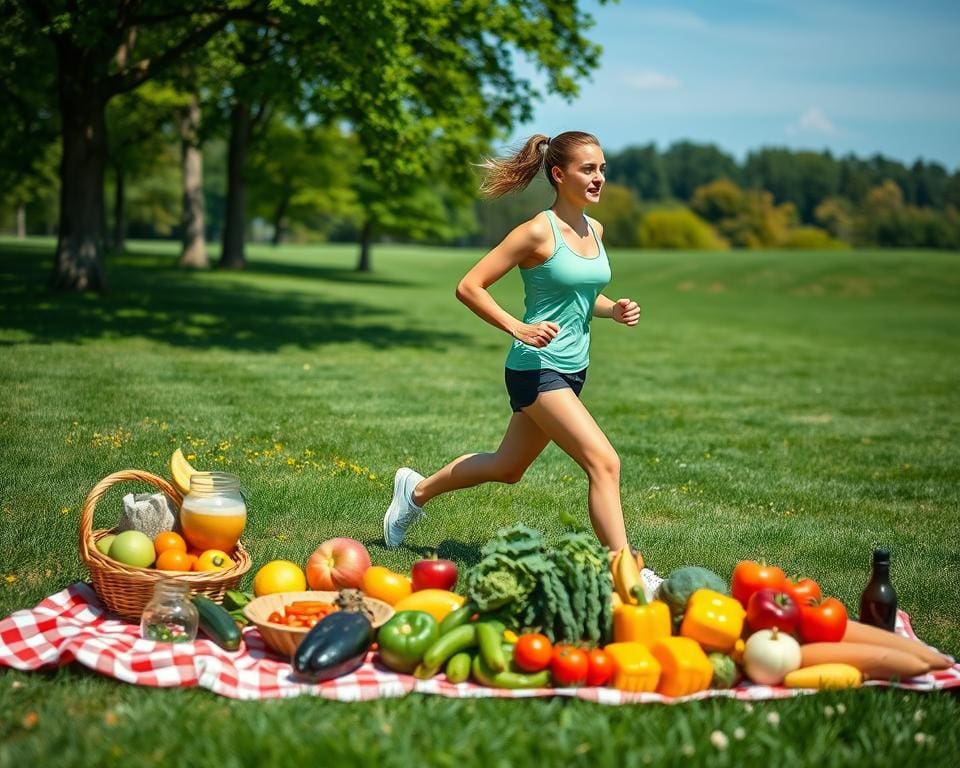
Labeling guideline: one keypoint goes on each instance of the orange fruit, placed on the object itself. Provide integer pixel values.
(194, 558)
(386, 585)
(279, 576)
(173, 560)
(169, 540)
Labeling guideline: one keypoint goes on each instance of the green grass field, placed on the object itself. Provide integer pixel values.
(797, 407)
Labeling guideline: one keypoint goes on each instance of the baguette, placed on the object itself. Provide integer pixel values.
(864, 633)
(877, 662)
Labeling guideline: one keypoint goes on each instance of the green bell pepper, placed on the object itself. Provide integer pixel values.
(405, 638)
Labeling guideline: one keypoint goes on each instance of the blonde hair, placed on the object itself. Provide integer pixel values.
(514, 173)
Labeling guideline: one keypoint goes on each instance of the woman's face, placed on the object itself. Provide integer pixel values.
(582, 179)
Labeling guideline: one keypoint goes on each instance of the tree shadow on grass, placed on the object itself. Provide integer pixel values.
(151, 299)
(326, 274)
(462, 553)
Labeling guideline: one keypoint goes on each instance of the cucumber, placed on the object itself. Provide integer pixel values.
(458, 667)
(489, 638)
(454, 641)
(217, 624)
(457, 618)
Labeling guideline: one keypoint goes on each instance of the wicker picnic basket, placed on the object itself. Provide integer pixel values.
(126, 589)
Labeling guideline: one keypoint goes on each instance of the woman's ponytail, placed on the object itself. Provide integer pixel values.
(511, 174)
(514, 173)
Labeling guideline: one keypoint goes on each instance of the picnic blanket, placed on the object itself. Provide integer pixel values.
(73, 625)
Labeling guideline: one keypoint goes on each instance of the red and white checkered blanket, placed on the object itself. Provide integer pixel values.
(73, 625)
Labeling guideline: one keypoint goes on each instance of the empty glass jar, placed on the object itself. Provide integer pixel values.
(170, 616)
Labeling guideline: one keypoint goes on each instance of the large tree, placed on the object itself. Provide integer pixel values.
(100, 50)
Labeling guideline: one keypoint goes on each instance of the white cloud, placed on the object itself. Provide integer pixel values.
(649, 80)
(813, 121)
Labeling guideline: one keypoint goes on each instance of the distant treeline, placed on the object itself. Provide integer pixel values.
(688, 196)
(698, 196)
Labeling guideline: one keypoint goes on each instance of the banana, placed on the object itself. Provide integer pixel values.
(180, 471)
(626, 578)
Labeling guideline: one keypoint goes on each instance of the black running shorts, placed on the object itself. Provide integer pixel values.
(524, 386)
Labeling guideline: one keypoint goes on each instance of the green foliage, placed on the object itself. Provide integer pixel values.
(640, 169)
(689, 165)
(810, 239)
(744, 218)
(677, 229)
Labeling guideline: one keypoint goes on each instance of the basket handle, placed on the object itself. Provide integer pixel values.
(86, 514)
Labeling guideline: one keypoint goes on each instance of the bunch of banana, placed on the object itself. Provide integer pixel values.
(625, 569)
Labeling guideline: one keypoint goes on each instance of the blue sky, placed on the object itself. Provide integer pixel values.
(850, 76)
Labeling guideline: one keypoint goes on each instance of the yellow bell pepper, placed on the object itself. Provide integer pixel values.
(637, 670)
(713, 619)
(684, 667)
(642, 623)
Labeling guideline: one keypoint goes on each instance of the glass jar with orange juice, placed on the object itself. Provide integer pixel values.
(213, 514)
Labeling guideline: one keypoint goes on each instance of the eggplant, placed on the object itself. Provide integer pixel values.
(335, 646)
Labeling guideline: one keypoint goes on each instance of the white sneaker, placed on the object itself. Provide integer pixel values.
(402, 512)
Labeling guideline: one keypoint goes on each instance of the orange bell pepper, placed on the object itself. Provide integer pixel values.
(646, 623)
(636, 669)
(713, 619)
(684, 667)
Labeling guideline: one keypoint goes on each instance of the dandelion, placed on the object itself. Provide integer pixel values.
(306, 366)
(10, 578)
(828, 711)
(748, 707)
(688, 750)
(32, 718)
(65, 511)
(919, 715)
(773, 718)
(110, 718)
(719, 740)
(841, 709)
(739, 733)
(920, 737)
(191, 457)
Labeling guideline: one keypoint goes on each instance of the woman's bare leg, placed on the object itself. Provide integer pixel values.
(564, 419)
(521, 444)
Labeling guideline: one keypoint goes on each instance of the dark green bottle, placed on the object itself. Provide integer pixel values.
(878, 603)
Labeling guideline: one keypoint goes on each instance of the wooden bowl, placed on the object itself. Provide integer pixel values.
(284, 640)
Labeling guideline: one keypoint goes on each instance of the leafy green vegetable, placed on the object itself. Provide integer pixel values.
(563, 592)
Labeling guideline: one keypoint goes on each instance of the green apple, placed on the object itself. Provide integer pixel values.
(103, 543)
(133, 548)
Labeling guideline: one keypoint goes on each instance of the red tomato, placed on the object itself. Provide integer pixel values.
(532, 652)
(601, 667)
(823, 621)
(748, 577)
(569, 665)
(802, 591)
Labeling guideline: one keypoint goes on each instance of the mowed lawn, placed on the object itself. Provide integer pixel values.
(794, 406)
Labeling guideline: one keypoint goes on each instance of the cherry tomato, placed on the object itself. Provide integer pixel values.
(802, 591)
(823, 622)
(601, 667)
(569, 665)
(532, 652)
(748, 577)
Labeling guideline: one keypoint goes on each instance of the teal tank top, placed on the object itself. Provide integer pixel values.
(563, 290)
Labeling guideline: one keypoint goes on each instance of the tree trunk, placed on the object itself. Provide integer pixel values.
(366, 236)
(235, 221)
(194, 251)
(278, 215)
(119, 209)
(21, 221)
(78, 264)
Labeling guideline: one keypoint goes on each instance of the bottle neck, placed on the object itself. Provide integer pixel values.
(171, 589)
(881, 571)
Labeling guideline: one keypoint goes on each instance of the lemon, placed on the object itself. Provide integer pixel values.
(279, 576)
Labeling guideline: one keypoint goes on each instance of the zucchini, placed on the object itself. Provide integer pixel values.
(335, 646)
(217, 624)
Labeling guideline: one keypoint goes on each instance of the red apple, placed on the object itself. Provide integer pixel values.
(434, 574)
(769, 608)
(338, 564)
